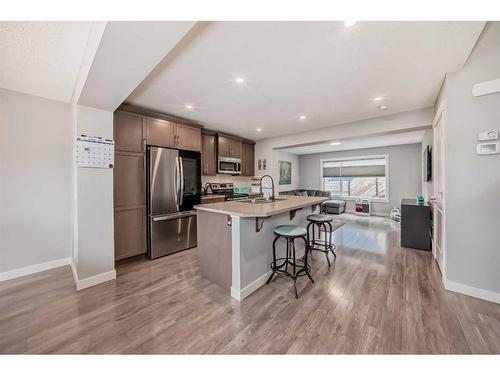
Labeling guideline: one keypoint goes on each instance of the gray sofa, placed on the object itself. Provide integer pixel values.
(307, 193)
(332, 206)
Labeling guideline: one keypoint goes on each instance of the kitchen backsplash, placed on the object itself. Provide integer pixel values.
(236, 180)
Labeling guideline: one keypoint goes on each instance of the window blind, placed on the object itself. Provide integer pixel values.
(355, 168)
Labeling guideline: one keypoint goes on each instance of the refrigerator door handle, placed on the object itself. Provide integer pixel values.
(174, 216)
(176, 182)
(181, 189)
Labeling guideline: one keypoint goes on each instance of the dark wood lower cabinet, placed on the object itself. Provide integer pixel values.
(130, 232)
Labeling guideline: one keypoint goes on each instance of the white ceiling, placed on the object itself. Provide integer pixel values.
(321, 69)
(359, 143)
(42, 58)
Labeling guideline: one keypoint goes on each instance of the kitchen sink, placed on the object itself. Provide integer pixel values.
(262, 200)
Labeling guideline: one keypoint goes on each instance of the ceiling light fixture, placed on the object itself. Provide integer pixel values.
(188, 106)
(382, 107)
(302, 117)
(377, 99)
(259, 129)
(349, 23)
(239, 80)
(335, 143)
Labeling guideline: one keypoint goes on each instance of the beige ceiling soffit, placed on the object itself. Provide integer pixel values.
(196, 30)
(173, 53)
(475, 44)
(127, 53)
(344, 139)
(95, 34)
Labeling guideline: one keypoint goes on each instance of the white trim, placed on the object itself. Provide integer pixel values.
(24, 271)
(250, 288)
(94, 280)
(240, 295)
(73, 271)
(361, 157)
(471, 291)
(235, 254)
(440, 114)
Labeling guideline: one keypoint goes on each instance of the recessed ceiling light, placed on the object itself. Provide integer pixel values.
(188, 106)
(335, 143)
(239, 80)
(382, 107)
(302, 117)
(259, 129)
(377, 99)
(349, 23)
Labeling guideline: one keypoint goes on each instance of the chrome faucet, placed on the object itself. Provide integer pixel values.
(272, 185)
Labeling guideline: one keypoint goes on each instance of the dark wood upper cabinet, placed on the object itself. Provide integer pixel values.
(188, 137)
(209, 155)
(129, 131)
(165, 133)
(247, 159)
(228, 147)
(160, 132)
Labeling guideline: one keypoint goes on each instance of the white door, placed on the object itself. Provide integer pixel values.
(438, 200)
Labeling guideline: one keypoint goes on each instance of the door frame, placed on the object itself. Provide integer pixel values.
(440, 115)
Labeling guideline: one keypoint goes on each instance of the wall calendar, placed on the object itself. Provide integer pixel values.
(94, 152)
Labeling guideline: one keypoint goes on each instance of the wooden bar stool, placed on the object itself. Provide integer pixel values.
(321, 221)
(299, 266)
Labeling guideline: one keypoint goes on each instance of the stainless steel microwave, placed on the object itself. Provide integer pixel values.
(228, 165)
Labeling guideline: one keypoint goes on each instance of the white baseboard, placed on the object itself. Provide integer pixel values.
(93, 280)
(25, 271)
(471, 291)
(80, 284)
(240, 295)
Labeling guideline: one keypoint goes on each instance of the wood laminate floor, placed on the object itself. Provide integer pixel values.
(376, 298)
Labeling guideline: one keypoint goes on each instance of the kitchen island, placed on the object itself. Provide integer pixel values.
(235, 239)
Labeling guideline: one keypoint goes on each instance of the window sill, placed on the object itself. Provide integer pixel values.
(350, 199)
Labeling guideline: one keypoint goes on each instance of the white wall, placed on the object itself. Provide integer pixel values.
(35, 160)
(405, 166)
(95, 241)
(294, 159)
(473, 181)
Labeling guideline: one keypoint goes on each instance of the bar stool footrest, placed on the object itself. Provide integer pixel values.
(281, 269)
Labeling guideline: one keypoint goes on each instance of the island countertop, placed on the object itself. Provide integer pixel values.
(285, 203)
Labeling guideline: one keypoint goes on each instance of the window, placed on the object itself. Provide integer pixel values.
(364, 177)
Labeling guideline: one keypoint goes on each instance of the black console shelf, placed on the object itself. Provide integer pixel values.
(416, 223)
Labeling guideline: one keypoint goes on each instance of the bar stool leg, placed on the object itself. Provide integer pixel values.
(330, 239)
(309, 237)
(326, 244)
(287, 254)
(294, 271)
(306, 265)
(313, 235)
(274, 260)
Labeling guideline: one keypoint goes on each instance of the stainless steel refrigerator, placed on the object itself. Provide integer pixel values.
(173, 188)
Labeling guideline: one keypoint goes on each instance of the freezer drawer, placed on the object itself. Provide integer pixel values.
(169, 235)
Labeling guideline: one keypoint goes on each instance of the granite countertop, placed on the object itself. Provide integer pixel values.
(245, 209)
